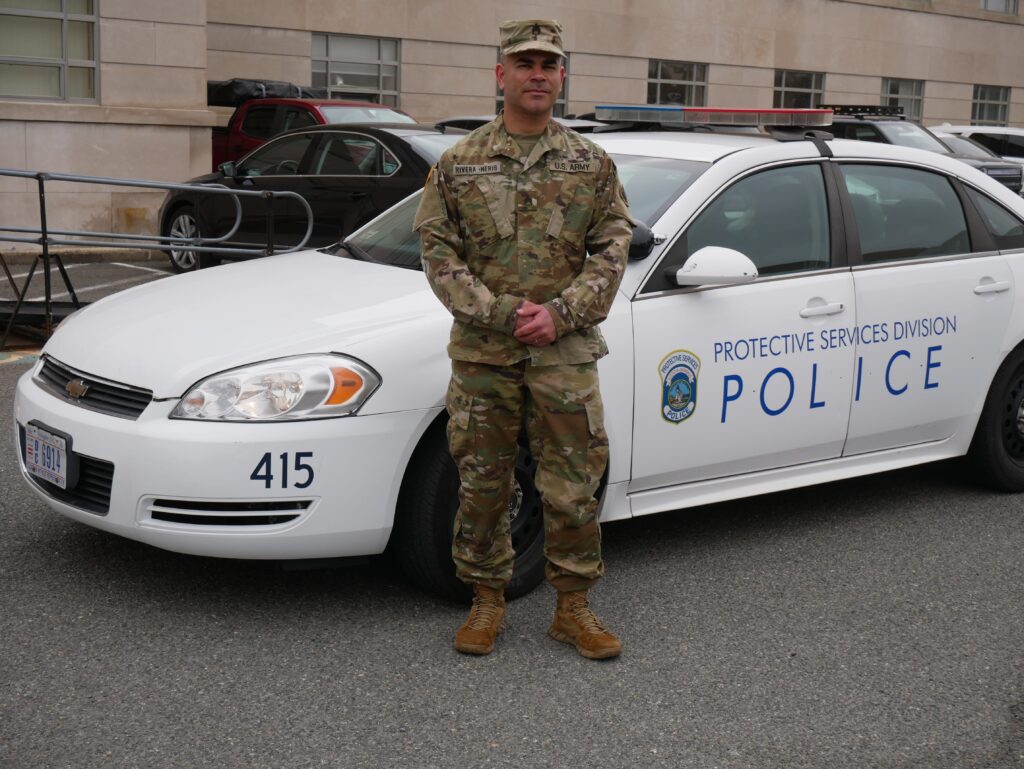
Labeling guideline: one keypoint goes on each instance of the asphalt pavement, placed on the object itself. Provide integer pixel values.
(875, 622)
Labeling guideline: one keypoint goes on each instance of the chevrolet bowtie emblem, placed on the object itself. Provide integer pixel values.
(76, 388)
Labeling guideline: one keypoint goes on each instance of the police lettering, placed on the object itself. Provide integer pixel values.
(778, 389)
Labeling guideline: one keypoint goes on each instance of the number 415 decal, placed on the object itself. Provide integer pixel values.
(265, 470)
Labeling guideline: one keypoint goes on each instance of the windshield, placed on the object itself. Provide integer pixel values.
(652, 185)
(364, 115)
(963, 146)
(430, 146)
(910, 135)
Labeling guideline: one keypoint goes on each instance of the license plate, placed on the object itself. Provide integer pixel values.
(46, 456)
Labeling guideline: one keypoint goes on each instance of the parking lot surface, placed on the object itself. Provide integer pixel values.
(91, 280)
(868, 623)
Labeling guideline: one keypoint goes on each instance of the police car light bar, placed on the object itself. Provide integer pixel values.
(714, 116)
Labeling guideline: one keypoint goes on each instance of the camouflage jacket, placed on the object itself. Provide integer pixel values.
(497, 228)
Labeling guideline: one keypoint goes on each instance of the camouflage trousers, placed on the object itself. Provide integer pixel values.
(564, 419)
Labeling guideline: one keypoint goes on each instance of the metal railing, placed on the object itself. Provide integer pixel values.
(22, 310)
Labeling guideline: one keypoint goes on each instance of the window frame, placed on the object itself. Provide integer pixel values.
(655, 284)
(65, 62)
(690, 86)
(915, 99)
(386, 97)
(979, 105)
(779, 91)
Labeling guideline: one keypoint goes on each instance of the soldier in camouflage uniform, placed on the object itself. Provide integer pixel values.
(506, 220)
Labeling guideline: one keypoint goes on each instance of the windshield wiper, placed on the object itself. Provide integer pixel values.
(357, 253)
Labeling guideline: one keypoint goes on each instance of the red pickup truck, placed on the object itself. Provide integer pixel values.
(256, 120)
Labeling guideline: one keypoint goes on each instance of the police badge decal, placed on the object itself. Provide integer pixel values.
(678, 371)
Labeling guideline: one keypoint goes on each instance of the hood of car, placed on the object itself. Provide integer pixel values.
(168, 334)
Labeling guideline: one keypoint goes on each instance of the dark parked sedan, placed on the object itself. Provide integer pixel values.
(348, 174)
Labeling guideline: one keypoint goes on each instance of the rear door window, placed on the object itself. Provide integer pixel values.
(353, 155)
(905, 213)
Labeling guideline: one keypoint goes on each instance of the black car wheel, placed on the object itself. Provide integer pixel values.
(422, 540)
(182, 224)
(997, 450)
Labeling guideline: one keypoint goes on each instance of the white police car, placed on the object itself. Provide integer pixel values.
(811, 310)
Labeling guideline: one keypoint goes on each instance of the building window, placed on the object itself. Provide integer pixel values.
(1000, 6)
(991, 105)
(908, 94)
(677, 82)
(796, 90)
(359, 68)
(48, 49)
(561, 103)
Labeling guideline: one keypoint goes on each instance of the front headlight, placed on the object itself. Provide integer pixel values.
(303, 387)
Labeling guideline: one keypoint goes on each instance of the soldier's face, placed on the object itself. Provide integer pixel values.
(531, 81)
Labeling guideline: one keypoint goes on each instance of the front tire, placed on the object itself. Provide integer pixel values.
(182, 224)
(425, 520)
(997, 450)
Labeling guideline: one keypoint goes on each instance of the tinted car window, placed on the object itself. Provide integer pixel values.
(864, 132)
(277, 158)
(994, 142)
(353, 155)
(297, 118)
(1007, 230)
(904, 213)
(777, 218)
(259, 122)
(1015, 145)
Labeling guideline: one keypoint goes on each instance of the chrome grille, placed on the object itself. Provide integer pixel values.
(209, 513)
(91, 493)
(113, 398)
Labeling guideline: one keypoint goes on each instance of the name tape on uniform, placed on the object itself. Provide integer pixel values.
(470, 170)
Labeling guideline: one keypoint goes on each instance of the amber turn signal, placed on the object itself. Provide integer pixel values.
(346, 384)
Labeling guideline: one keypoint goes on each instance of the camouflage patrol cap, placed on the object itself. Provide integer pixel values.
(531, 35)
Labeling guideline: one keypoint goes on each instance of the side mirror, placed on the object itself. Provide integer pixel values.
(713, 265)
(228, 169)
(642, 244)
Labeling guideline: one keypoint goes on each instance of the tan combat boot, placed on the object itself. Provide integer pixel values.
(576, 624)
(485, 621)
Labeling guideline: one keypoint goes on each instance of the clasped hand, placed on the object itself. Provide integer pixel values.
(534, 325)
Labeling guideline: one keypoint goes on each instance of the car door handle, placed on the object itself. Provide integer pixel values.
(992, 288)
(822, 309)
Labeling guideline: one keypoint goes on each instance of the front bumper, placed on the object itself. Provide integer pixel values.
(202, 488)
